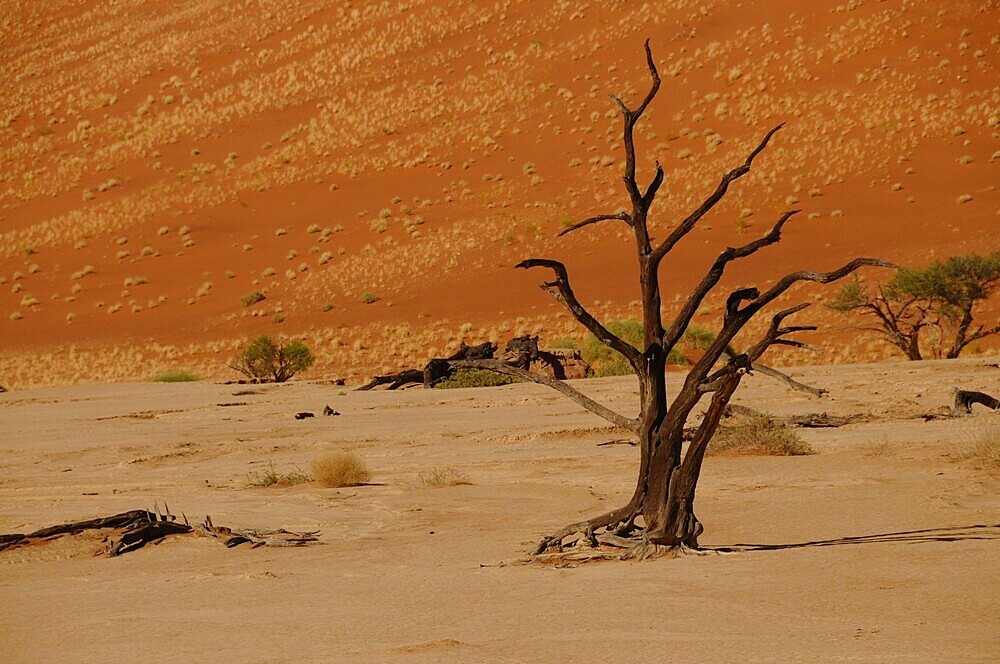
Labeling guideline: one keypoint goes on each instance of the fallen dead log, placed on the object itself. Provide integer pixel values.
(964, 399)
(134, 529)
(435, 371)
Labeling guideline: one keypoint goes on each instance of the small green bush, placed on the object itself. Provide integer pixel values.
(176, 377)
(607, 362)
(369, 298)
(252, 298)
(475, 378)
(265, 361)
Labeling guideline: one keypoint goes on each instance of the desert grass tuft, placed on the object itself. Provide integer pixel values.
(982, 449)
(340, 469)
(758, 435)
(271, 477)
(877, 449)
(442, 476)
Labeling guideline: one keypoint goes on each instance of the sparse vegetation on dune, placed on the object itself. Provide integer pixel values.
(232, 162)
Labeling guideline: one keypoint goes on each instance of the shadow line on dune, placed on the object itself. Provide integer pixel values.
(951, 534)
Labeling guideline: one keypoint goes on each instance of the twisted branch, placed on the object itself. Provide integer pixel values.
(687, 312)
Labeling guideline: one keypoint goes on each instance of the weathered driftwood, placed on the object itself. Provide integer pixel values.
(965, 398)
(280, 537)
(136, 528)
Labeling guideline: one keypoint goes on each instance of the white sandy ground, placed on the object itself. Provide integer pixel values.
(408, 572)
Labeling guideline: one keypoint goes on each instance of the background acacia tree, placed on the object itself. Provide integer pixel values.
(265, 360)
(940, 298)
(660, 516)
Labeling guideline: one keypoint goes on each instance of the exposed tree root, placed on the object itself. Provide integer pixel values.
(610, 520)
(612, 547)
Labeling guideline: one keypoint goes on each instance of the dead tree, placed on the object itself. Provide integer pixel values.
(660, 516)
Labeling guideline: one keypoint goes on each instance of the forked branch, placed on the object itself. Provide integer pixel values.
(564, 293)
(687, 312)
(689, 222)
(790, 280)
(640, 202)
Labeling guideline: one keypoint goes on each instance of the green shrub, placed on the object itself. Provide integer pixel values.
(252, 298)
(476, 378)
(607, 362)
(369, 298)
(176, 377)
(266, 361)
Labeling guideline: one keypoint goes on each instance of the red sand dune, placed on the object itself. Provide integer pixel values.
(440, 143)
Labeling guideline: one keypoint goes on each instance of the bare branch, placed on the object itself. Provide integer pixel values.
(736, 318)
(499, 366)
(623, 216)
(568, 298)
(654, 186)
(788, 380)
(655, 76)
(685, 226)
(640, 203)
(790, 280)
(798, 344)
(687, 312)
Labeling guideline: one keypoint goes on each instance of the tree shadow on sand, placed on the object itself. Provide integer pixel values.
(953, 534)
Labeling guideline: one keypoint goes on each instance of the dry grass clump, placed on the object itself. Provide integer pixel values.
(983, 450)
(877, 448)
(441, 476)
(271, 477)
(340, 469)
(758, 435)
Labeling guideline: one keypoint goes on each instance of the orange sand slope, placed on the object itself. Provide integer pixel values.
(161, 160)
(409, 572)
